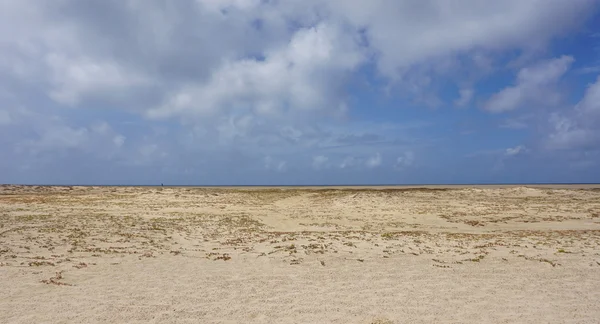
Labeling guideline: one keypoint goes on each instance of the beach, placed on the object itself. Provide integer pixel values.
(421, 254)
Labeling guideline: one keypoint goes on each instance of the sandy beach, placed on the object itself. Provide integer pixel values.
(498, 254)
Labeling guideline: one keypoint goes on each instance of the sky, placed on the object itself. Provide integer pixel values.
(299, 92)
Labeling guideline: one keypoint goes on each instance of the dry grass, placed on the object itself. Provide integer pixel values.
(70, 225)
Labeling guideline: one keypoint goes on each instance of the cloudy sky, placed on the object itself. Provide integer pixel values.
(299, 91)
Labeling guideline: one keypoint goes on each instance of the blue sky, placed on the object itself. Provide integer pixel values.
(242, 92)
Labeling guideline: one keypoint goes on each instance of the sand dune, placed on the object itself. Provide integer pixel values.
(299, 255)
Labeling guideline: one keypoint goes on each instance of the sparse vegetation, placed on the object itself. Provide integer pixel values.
(45, 227)
(56, 280)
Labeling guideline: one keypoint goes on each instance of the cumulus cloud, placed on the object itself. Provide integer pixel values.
(238, 80)
(567, 133)
(74, 79)
(58, 137)
(305, 74)
(199, 57)
(534, 85)
(55, 137)
(577, 128)
(590, 104)
(406, 32)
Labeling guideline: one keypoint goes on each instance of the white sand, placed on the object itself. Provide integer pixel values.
(471, 255)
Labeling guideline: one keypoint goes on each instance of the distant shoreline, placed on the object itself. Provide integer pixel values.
(386, 186)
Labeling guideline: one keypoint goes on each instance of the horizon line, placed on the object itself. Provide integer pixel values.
(306, 185)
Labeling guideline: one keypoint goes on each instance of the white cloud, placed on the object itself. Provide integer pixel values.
(590, 104)
(75, 78)
(374, 161)
(534, 84)
(569, 133)
(218, 5)
(101, 127)
(513, 151)
(57, 138)
(119, 140)
(247, 76)
(319, 162)
(54, 137)
(349, 162)
(466, 95)
(578, 128)
(304, 75)
(406, 32)
(212, 56)
(405, 160)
